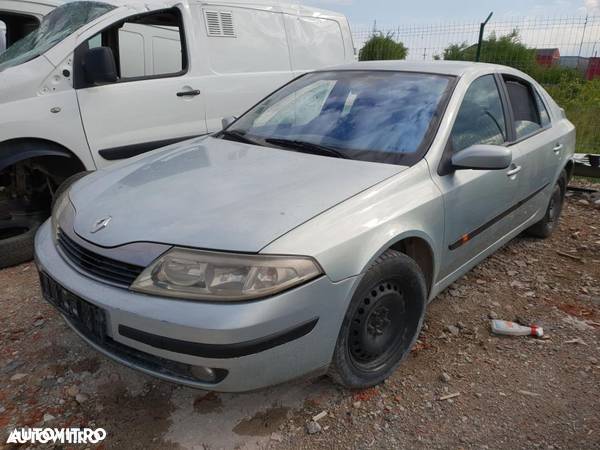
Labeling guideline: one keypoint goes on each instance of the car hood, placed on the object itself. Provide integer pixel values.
(216, 194)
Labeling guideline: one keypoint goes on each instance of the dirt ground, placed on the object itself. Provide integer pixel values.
(510, 392)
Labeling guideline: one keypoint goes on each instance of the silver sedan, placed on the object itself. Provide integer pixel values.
(310, 234)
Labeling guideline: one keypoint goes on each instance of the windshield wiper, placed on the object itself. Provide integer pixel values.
(308, 147)
(238, 136)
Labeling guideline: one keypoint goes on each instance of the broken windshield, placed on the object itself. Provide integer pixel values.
(55, 27)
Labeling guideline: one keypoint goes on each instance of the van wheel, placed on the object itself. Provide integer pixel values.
(545, 227)
(382, 323)
(16, 239)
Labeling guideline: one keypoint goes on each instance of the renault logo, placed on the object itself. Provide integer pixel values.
(101, 224)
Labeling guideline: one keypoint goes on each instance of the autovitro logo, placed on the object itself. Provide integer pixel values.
(56, 436)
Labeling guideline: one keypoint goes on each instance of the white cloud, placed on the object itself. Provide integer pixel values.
(592, 6)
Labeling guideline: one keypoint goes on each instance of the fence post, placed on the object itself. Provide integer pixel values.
(481, 28)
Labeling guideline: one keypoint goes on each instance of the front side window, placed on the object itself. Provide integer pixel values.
(56, 26)
(145, 46)
(480, 118)
(379, 116)
(524, 108)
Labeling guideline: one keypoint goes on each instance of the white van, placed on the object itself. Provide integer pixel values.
(18, 18)
(98, 82)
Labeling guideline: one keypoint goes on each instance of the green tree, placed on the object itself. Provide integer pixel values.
(508, 50)
(380, 47)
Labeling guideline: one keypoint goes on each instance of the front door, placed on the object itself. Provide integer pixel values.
(477, 203)
(154, 102)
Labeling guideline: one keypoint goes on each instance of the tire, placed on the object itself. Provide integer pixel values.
(545, 227)
(382, 322)
(67, 184)
(16, 240)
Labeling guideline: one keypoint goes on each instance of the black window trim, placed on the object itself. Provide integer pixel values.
(533, 90)
(79, 81)
(445, 165)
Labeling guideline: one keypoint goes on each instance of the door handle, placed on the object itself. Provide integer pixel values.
(515, 170)
(557, 148)
(192, 93)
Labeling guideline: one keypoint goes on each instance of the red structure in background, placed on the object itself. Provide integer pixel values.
(593, 69)
(547, 57)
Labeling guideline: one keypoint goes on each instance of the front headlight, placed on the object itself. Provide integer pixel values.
(59, 206)
(202, 275)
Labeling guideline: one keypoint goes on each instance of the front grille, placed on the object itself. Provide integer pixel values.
(108, 269)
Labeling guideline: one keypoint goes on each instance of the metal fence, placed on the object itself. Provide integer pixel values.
(563, 53)
(573, 37)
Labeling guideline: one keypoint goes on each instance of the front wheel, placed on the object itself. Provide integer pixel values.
(382, 323)
(545, 227)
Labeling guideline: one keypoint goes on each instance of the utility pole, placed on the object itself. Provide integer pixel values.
(481, 29)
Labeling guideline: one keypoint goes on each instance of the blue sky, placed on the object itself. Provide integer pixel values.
(396, 12)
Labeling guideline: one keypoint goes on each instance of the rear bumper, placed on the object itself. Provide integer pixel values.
(254, 344)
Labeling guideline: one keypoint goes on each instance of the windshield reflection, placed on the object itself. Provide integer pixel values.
(380, 116)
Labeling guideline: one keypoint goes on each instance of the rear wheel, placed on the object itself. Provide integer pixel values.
(382, 322)
(545, 227)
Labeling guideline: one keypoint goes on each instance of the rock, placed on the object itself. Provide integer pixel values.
(313, 427)
(12, 365)
(72, 391)
(454, 293)
(511, 273)
(39, 323)
(461, 325)
(81, 398)
(593, 360)
(492, 315)
(277, 437)
(452, 330)
(579, 325)
(18, 376)
(319, 416)
(48, 417)
(583, 202)
(445, 377)
(356, 404)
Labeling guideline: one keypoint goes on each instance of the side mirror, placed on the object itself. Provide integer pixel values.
(226, 121)
(99, 66)
(482, 157)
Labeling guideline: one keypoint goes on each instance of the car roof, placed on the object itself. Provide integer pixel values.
(455, 68)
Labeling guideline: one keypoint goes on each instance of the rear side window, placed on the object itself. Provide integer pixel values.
(524, 107)
(2, 36)
(480, 119)
(544, 116)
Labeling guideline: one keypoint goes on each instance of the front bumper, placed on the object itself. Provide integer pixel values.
(152, 334)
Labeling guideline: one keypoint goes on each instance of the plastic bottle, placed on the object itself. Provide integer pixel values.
(514, 329)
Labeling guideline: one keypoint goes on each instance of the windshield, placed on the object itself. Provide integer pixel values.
(379, 116)
(56, 26)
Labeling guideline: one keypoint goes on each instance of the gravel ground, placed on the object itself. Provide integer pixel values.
(462, 387)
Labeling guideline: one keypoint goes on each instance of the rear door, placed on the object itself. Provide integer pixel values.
(536, 149)
(477, 202)
(155, 101)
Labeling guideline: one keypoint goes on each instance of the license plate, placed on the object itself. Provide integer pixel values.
(86, 317)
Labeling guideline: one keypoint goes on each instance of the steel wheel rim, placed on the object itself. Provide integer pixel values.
(378, 328)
